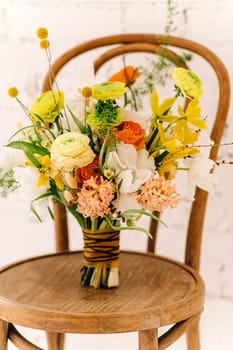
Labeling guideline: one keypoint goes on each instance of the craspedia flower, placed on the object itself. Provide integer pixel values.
(42, 33)
(157, 194)
(86, 91)
(13, 92)
(44, 44)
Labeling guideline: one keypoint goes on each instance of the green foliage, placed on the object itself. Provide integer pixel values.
(7, 182)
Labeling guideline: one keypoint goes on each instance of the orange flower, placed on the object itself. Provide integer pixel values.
(88, 171)
(95, 198)
(131, 133)
(157, 194)
(126, 75)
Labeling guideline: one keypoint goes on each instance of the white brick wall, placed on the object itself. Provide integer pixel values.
(70, 22)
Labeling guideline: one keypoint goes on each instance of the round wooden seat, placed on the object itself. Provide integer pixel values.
(45, 292)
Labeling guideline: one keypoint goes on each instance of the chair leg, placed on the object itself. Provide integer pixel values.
(3, 335)
(55, 341)
(148, 339)
(193, 337)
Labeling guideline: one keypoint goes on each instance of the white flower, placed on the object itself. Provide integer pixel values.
(28, 190)
(127, 201)
(135, 117)
(79, 106)
(199, 172)
(10, 158)
(132, 167)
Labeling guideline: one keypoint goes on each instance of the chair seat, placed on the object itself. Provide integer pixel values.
(45, 293)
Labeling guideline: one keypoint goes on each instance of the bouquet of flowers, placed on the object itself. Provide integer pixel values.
(108, 164)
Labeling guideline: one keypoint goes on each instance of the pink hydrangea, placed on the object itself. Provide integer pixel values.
(95, 198)
(157, 194)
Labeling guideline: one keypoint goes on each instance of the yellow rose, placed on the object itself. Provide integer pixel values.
(71, 150)
(188, 82)
(47, 106)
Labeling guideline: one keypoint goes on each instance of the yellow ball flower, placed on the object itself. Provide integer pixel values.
(42, 33)
(44, 44)
(86, 91)
(13, 92)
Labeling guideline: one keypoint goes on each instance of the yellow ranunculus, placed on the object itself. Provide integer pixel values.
(71, 150)
(188, 82)
(108, 90)
(47, 106)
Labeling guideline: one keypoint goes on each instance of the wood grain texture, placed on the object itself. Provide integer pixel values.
(3, 334)
(49, 295)
(55, 341)
(20, 341)
(148, 339)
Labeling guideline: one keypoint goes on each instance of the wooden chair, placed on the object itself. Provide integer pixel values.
(45, 293)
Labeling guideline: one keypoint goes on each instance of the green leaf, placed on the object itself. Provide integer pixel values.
(82, 128)
(29, 147)
(33, 209)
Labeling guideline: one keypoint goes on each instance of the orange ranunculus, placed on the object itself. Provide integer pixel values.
(132, 133)
(126, 75)
(88, 171)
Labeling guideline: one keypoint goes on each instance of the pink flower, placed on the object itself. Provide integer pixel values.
(95, 198)
(158, 194)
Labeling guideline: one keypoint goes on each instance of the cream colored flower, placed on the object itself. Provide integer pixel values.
(71, 150)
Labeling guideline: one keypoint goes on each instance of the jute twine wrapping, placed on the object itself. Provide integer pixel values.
(101, 248)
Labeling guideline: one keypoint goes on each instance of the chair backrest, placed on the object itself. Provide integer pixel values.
(126, 43)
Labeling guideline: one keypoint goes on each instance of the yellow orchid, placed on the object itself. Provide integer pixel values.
(47, 171)
(192, 114)
(168, 168)
(161, 110)
(169, 164)
(184, 134)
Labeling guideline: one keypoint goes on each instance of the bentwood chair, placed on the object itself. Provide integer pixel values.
(44, 292)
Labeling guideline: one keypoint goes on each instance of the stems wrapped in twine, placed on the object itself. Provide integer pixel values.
(101, 258)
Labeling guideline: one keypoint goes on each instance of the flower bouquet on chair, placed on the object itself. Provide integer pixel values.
(106, 163)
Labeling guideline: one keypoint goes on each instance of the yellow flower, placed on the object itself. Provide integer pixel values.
(71, 150)
(168, 168)
(44, 44)
(108, 90)
(47, 106)
(49, 171)
(184, 134)
(86, 91)
(13, 92)
(42, 33)
(192, 114)
(187, 82)
(161, 110)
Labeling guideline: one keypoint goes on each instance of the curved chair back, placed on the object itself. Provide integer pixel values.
(159, 44)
